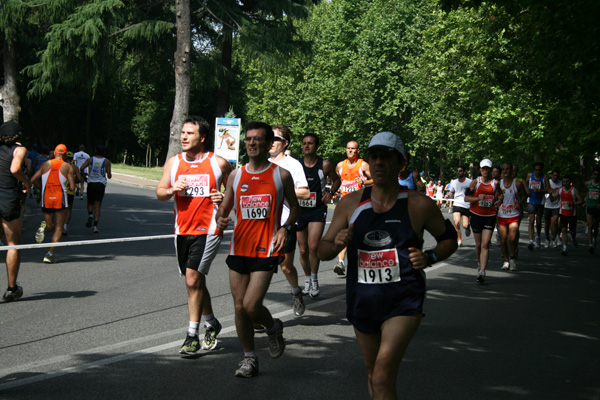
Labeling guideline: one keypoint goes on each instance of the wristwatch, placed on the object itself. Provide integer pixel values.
(432, 257)
(288, 228)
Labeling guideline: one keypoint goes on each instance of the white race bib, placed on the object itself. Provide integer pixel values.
(380, 266)
(487, 201)
(198, 185)
(310, 202)
(566, 205)
(255, 206)
(535, 185)
(349, 186)
(507, 209)
(593, 195)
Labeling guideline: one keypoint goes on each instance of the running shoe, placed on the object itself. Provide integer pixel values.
(512, 264)
(564, 252)
(505, 266)
(339, 268)
(314, 289)
(88, 224)
(575, 243)
(10, 295)
(248, 367)
(530, 246)
(65, 232)
(41, 232)
(555, 245)
(96, 230)
(547, 244)
(276, 342)
(468, 231)
(191, 345)
(77, 192)
(258, 328)
(49, 259)
(299, 306)
(537, 242)
(459, 243)
(210, 336)
(480, 276)
(306, 290)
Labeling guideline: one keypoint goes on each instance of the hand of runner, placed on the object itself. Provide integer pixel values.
(223, 222)
(281, 238)
(344, 236)
(216, 196)
(417, 258)
(180, 185)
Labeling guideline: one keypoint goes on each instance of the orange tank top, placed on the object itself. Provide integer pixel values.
(258, 204)
(54, 193)
(194, 210)
(430, 190)
(484, 207)
(348, 176)
(567, 203)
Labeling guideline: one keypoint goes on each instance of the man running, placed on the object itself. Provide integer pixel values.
(313, 213)
(193, 178)
(99, 171)
(460, 208)
(510, 194)
(257, 191)
(13, 183)
(383, 228)
(592, 209)
(536, 185)
(439, 193)
(354, 173)
(551, 210)
(80, 157)
(56, 174)
(70, 193)
(281, 140)
(569, 200)
(483, 214)
(410, 178)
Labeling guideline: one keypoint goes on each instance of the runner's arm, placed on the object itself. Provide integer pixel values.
(164, 191)
(339, 233)
(222, 216)
(335, 181)
(19, 154)
(107, 168)
(367, 171)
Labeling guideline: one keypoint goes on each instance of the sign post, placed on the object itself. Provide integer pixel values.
(227, 139)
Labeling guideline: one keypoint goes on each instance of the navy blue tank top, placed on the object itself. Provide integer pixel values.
(381, 282)
(315, 176)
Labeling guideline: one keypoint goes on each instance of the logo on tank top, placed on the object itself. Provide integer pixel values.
(244, 187)
(377, 238)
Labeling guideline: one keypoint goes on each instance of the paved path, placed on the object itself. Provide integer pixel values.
(107, 322)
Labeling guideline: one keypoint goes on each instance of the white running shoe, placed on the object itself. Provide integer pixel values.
(314, 288)
(505, 266)
(512, 264)
(306, 290)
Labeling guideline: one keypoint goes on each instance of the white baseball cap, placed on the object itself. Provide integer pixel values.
(486, 162)
(389, 141)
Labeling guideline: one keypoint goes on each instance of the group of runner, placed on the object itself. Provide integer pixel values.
(54, 176)
(276, 200)
(498, 199)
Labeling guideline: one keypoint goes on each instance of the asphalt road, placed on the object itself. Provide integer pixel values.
(107, 321)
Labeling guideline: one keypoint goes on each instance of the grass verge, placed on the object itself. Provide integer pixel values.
(141, 172)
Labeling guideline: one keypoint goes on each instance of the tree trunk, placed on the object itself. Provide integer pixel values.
(226, 59)
(442, 166)
(9, 98)
(182, 75)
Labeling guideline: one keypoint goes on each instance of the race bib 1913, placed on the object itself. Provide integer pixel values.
(380, 266)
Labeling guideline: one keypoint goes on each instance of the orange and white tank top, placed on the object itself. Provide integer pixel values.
(54, 188)
(258, 202)
(348, 176)
(567, 202)
(430, 190)
(194, 210)
(485, 206)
